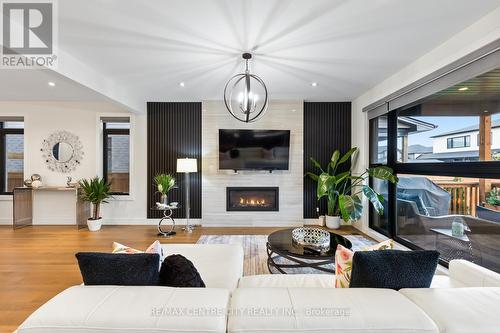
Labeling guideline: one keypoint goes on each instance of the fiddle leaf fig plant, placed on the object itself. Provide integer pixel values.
(344, 191)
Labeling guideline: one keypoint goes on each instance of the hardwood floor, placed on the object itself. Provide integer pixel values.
(38, 262)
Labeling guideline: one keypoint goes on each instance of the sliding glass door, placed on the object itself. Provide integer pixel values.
(445, 148)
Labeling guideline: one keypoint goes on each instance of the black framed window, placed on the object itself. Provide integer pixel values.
(116, 154)
(11, 155)
(458, 142)
(440, 185)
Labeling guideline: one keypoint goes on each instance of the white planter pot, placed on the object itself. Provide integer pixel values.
(333, 222)
(94, 225)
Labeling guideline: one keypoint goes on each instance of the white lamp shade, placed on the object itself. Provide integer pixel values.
(187, 165)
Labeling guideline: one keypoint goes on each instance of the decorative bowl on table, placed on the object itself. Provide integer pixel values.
(312, 237)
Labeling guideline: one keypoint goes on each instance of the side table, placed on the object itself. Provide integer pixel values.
(167, 215)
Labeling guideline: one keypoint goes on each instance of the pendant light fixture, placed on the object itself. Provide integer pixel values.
(245, 95)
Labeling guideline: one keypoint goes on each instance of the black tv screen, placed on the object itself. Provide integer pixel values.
(254, 149)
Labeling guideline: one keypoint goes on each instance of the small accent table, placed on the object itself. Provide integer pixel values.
(452, 247)
(281, 245)
(167, 215)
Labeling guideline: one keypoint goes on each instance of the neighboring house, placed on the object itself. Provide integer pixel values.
(462, 144)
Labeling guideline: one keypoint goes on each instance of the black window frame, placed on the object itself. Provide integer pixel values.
(465, 139)
(472, 169)
(106, 132)
(3, 162)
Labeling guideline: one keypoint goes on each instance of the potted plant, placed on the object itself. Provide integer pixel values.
(344, 191)
(164, 183)
(493, 199)
(95, 190)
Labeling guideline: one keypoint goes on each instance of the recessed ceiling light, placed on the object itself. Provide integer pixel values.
(314, 84)
(463, 89)
(293, 110)
(485, 111)
(182, 84)
(52, 84)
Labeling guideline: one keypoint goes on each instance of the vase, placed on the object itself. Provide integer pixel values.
(164, 199)
(332, 222)
(94, 225)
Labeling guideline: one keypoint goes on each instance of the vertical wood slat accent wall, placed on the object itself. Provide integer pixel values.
(174, 131)
(327, 126)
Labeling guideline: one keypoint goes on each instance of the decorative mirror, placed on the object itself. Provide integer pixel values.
(62, 151)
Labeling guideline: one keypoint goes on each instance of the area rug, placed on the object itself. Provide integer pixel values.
(254, 247)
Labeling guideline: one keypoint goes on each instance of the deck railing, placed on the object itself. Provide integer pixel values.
(464, 196)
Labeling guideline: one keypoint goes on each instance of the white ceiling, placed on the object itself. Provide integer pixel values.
(147, 47)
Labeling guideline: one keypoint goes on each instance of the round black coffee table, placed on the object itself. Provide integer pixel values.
(281, 245)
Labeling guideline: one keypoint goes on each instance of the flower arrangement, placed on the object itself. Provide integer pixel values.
(164, 183)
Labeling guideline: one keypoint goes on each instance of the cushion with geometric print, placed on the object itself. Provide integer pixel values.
(177, 271)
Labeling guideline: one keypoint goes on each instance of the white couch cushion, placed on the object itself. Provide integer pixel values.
(473, 275)
(444, 281)
(220, 265)
(151, 309)
(325, 310)
(460, 310)
(288, 281)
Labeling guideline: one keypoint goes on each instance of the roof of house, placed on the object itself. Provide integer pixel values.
(495, 123)
(453, 155)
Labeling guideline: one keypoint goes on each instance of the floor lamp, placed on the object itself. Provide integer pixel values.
(186, 166)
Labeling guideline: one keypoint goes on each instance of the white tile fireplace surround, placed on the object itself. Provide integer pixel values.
(281, 115)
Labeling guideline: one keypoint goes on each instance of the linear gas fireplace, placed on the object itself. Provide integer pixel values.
(252, 199)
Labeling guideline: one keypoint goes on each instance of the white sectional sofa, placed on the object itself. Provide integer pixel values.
(467, 300)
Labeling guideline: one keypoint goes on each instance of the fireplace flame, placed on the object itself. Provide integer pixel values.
(252, 202)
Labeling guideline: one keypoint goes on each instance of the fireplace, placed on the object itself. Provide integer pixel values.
(254, 199)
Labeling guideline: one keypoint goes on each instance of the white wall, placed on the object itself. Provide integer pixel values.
(472, 38)
(80, 118)
(286, 115)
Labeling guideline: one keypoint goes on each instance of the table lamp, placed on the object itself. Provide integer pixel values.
(186, 166)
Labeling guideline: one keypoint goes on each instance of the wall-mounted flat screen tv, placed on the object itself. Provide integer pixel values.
(254, 149)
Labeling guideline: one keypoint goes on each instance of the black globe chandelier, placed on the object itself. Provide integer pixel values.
(245, 95)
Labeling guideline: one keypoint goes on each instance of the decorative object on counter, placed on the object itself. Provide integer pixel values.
(312, 237)
(344, 190)
(62, 151)
(68, 182)
(96, 191)
(186, 166)
(36, 180)
(27, 182)
(164, 183)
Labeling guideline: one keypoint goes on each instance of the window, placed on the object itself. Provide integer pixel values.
(378, 144)
(116, 154)
(458, 142)
(11, 155)
(449, 174)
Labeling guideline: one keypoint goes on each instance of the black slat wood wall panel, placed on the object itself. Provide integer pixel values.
(174, 131)
(327, 126)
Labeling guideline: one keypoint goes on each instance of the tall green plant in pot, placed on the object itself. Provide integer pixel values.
(96, 191)
(344, 191)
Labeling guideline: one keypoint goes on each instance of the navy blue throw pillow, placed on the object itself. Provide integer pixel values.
(393, 269)
(141, 269)
(178, 271)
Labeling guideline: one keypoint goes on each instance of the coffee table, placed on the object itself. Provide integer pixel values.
(281, 245)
